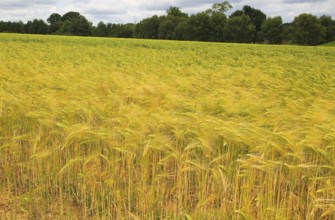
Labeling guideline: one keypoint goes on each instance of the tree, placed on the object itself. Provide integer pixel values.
(122, 30)
(37, 26)
(182, 30)
(307, 30)
(148, 28)
(219, 8)
(257, 17)
(12, 27)
(272, 30)
(237, 13)
(239, 29)
(69, 16)
(329, 26)
(54, 18)
(55, 21)
(167, 27)
(199, 25)
(101, 30)
(287, 33)
(80, 26)
(73, 23)
(170, 22)
(176, 12)
(65, 29)
(217, 23)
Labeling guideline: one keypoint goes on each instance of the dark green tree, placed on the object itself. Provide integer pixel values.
(287, 33)
(100, 30)
(12, 27)
(257, 17)
(219, 8)
(167, 27)
(272, 30)
(69, 16)
(329, 26)
(237, 13)
(148, 28)
(217, 23)
(123, 30)
(239, 29)
(55, 21)
(37, 26)
(182, 31)
(81, 26)
(73, 23)
(176, 12)
(65, 29)
(217, 20)
(199, 27)
(54, 18)
(169, 23)
(307, 30)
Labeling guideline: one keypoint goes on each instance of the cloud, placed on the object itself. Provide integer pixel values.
(122, 11)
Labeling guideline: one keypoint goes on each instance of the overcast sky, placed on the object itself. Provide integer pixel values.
(123, 11)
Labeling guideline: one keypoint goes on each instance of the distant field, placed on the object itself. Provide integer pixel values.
(329, 44)
(140, 129)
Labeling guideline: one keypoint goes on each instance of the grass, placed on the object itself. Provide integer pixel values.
(329, 44)
(139, 129)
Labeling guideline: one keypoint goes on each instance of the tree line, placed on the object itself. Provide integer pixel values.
(248, 25)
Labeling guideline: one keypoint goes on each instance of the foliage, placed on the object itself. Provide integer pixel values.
(208, 25)
(307, 30)
(220, 8)
(55, 21)
(148, 28)
(175, 12)
(36, 26)
(329, 27)
(257, 17)
(239, 29)
(272, 30)
(199, 27)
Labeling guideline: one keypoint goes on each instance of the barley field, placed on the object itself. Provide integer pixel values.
(94, 128)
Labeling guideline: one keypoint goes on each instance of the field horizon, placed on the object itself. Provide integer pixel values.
(156, 129)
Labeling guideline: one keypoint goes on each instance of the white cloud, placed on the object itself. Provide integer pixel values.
(122, 11)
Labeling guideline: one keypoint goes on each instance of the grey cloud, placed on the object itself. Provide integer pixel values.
(302, 1)
(104, 11)
(122, 11)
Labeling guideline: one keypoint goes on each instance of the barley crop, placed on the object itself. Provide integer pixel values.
(138, 129)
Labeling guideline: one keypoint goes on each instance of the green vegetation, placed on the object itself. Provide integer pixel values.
(140, 129)
(329, 44)
(248, 25)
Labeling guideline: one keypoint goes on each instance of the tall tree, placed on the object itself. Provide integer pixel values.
(148, 28)
(73, 23)
(307, 30)
(100, 30)
(217, 23)
(239, 29)
(170, 22)
(272, 30)
(55, 21)
(176, 12)
(329, 26)
(219, 8)
(71, 15)
(37, 26)
(199, 25)
(257, 17)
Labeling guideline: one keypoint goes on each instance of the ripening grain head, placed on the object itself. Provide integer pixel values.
(156, 129)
